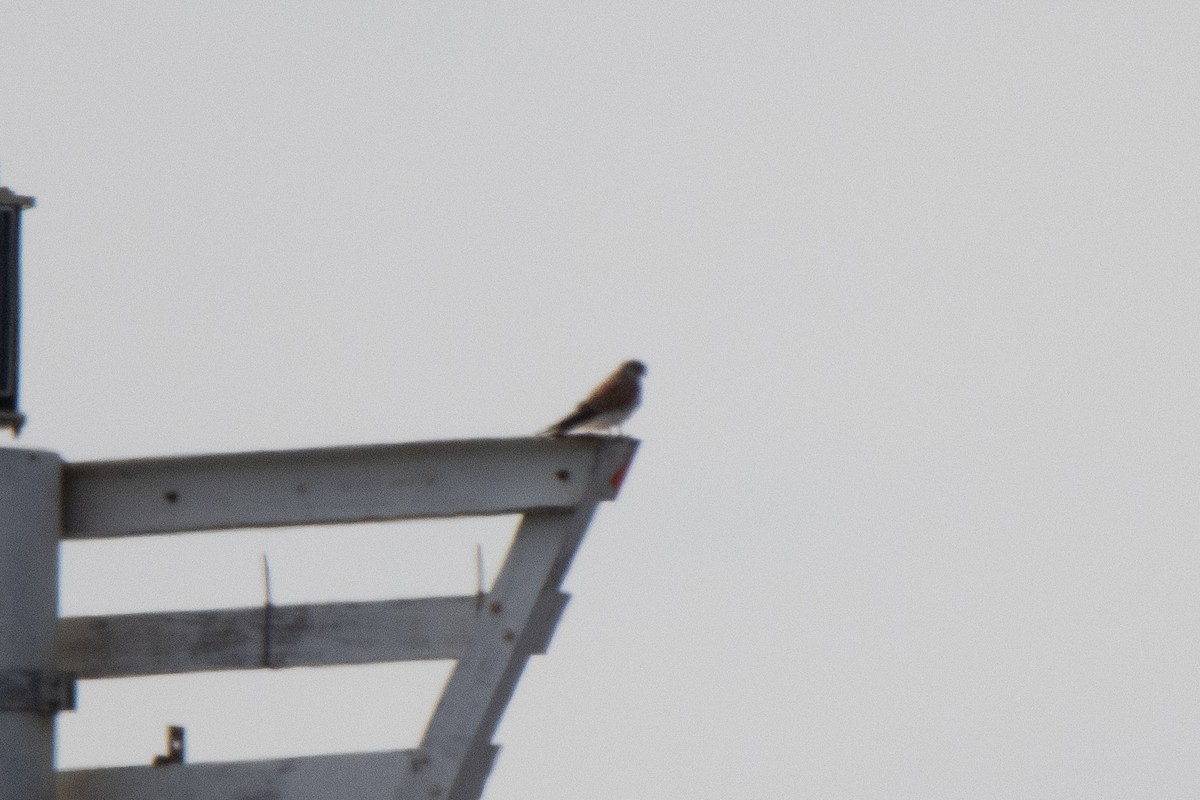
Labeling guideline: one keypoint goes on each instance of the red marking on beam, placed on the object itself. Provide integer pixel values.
(618, 477)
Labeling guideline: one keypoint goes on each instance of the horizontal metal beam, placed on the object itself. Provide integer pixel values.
(361, 776)
(285, 636)
(337, 484)
(36, 692)
(555, 483)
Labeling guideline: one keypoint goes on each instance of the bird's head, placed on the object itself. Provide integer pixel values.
(633, 369)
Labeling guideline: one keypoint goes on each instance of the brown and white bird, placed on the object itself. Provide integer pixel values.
(608, 405)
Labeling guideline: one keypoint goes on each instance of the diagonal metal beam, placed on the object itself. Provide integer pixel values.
(556, 484)
(459, 734)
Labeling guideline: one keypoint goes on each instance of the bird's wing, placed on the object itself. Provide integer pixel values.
(616, 391)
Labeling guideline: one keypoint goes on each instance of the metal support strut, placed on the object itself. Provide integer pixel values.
(29, 532)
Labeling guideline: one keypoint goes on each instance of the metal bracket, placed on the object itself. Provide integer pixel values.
(13, 200)
(174, 754)
(35, 691)
(14, 420)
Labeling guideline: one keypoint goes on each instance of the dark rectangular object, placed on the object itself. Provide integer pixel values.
(10, 304)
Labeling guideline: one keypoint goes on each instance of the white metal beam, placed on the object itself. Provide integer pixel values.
(330, 485)
(361, 776)
(327, 634)
(458, 738)
(29, 501)
(555, 483)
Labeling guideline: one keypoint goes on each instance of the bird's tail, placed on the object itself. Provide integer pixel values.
(565, 424)
(554, 431)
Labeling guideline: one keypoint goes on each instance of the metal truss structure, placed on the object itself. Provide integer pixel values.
(555, 484)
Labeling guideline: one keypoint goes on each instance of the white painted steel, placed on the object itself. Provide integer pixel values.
(328, 485)
(523, 598)
(357, 776)
(29, 533)
(483, 680)
(123, 645)
(556, 483)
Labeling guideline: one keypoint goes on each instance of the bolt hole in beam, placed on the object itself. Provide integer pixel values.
(332, 485)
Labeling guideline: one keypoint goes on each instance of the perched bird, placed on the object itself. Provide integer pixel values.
(608, 405)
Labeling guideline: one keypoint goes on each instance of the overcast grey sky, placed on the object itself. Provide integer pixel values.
(915, 514)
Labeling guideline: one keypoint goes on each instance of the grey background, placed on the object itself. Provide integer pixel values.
(915, 513)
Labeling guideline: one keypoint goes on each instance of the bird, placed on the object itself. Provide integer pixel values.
(608, 405)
